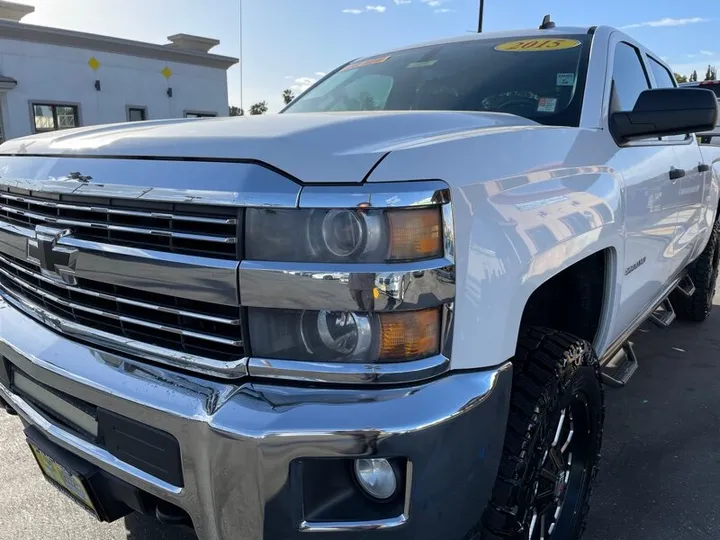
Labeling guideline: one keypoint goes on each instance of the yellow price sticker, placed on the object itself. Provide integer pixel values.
(535, 45)
(367, 62)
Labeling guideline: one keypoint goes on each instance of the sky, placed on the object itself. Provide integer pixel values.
(291, 43)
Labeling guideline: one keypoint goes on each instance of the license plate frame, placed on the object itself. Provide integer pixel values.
(66, 480)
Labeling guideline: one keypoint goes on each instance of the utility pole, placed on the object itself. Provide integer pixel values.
(242, 58)
(480, 16)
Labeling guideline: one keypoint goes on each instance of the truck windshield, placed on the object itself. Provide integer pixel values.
(539, 78)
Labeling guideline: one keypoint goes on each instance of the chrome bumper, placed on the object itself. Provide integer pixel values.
(238, 441)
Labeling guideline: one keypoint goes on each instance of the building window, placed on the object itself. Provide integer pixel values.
(542, 237)
(51, 117)
(137, 114)
(577, 222)
(191, 114)
(604, 212)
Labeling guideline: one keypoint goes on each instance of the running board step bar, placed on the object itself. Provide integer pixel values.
(664, 314)
(620, 368)
(686, 287)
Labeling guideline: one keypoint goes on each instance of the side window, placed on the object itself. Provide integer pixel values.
(369, 93)
(629, 78)
(663, 78)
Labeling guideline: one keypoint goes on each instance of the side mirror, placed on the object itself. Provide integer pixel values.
(666, 111)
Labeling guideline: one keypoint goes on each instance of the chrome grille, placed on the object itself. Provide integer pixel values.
(171, 227)
(198, 328)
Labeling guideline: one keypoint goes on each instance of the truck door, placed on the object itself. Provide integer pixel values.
(688, 180)
(646, 166)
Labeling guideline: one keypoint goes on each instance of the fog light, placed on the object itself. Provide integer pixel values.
(376, 477)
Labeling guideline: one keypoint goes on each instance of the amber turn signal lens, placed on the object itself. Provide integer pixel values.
(415, 234)
(409, 335)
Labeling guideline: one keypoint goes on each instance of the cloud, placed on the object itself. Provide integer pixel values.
(433, 3)
(400, 2)
(320, 73)
(355, 11)
(707, 53)
(667, 21)
(444, 10)
(300, 84)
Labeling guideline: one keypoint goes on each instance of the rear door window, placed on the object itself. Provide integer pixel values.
(663, 78)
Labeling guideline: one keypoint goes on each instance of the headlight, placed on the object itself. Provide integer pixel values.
(357, 235)
(343, 336)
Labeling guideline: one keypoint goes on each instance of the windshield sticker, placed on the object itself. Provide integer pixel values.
(565, 79)
(547, 104)
(422, 64)
(534, 45)
(368, 62)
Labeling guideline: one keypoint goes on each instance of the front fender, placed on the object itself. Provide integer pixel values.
(523, 238)
(519, 220)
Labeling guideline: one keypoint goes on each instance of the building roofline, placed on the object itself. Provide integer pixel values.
(71, 38)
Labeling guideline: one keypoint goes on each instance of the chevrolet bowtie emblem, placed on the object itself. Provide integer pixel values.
(56, 262)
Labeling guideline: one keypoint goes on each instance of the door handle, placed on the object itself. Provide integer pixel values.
(703, 167)
(676, 173)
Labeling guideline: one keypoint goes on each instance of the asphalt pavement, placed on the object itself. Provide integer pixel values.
(659, 478)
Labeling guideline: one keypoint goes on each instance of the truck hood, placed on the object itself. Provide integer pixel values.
(313, 148)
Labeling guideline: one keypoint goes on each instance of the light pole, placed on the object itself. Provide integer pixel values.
(480, 16)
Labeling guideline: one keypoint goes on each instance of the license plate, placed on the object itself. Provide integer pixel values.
(70, 483)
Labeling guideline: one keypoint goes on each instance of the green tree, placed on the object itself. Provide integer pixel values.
(693, 77)
(260, 107)
(681, 78)
(236, 111)
(288, 96)
(711, 74)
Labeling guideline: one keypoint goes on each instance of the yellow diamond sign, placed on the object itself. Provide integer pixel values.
(166, 72)
(94, 63)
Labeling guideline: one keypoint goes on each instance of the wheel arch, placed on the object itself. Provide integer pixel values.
(585, 288)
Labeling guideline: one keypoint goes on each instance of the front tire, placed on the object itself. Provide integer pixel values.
(551, 452)
(704, 274)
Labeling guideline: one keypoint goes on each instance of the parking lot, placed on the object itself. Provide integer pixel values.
(659, 477)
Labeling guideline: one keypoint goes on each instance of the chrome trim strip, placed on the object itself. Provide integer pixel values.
(378, 195)
(120, 299)
(372, 525)
(343, 526)
(116, 316)
(177, 359)
(448, 219)
(115, 211)
(364, 287)
(185, 276)
(235, 184)
(339, 373)
(14, 239)
(120, 228)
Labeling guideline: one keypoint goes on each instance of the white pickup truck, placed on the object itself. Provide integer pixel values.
(710, 137)
(387, 311)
